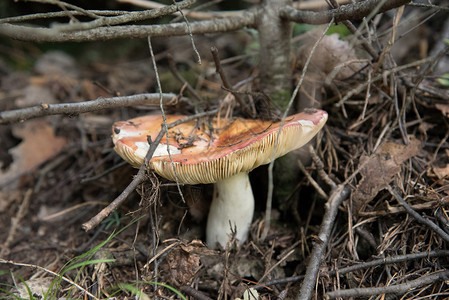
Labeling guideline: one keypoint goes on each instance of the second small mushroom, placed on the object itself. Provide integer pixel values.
(224, 158)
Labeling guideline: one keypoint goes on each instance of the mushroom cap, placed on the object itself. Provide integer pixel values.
(199, 156)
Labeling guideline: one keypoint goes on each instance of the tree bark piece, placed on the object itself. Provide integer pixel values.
(354, 11)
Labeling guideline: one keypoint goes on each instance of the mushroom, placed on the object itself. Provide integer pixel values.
(224, 158)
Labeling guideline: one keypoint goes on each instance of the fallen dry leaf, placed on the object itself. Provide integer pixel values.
(379, 168)
(183, 262)
(441, 172)
(39, 143)
(444, 108)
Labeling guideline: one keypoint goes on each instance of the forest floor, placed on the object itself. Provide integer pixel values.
(386, 140)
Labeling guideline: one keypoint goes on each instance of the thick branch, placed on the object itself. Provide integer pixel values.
(37, 34)
(355, 11)
(17, 115)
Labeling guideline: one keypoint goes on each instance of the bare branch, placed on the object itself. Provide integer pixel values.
(355, 11)
(23, 114)
(202, 15)
(360, 266)
(417, 216)
(319, 247)
(140, 177)
(284, 116)
(226, 83)
(195, 294)
(397, 289)
(64, 6)
(413, 64)
(59, 14)
(38, 34)
(129, 17)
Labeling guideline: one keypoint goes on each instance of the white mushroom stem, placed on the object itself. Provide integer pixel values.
(232, 206)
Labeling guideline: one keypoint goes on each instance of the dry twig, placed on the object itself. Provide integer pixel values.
(308, 285)
(354, 11)
(15, 221)
(360, 266)
(140, 176)
(83, 290)
(226, 83)
(289, 105)
(398, 289)
(194, 293)
(18, 115)
(415, 215)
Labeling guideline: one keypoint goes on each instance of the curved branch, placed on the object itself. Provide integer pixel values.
(202, 15)
(11, 116)
(38, 34)
(397, 289)
(140, 176)
(129, 17)
(355, 11)
(60, 14)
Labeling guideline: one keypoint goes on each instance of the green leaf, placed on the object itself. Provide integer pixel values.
(444, 80)
(89, 262)
(341, 29)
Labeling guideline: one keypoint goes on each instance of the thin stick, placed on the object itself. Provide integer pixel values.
(352, 11)
(194, 293)
(83, 290)
(19, 115)
(320, 167)
(154, 241)
(361, 266)
(362, 86)
(190, 32)
(65, 5)
(172, 67)
(164, 125)
(417, 216)
(58, 14)
(132, 16)
(140, 176)
(289, 105)
(397, 289)
(311, 180)
(226, 83)
(15, 221)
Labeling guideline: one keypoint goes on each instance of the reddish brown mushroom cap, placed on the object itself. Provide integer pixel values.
(200, 158)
